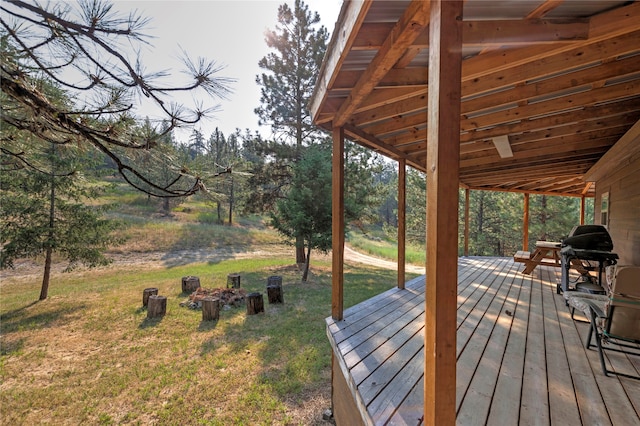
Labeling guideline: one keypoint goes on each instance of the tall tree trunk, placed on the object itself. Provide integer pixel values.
(481, 213)
(305, 274)
(231, 203)
(543, 217)
(219, 212)
(44, 291)
(300, 257)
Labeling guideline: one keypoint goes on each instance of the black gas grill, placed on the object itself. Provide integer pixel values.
(586, 246)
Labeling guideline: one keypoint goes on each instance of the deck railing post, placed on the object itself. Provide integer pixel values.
(525, 223)
(466, 221)
(442, 166)
(337, 224)
(402, 205)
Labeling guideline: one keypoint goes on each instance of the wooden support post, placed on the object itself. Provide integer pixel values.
(525, 223)
(210, 309)
(583, 201)
(146, 293)
(255, 303)
(442, 165)
(466, 221)
(157, 306)
(337, 225)
(402, 221)
(233, 281)
(190, 284)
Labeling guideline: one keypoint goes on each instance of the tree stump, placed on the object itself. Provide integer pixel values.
(255, 304)
(210, 309)
(274, 280)
(190, 284)
(274, 294)
(157, 306)
(233, 281)
(146, 293)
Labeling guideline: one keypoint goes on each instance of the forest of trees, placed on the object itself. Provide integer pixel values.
(52, 146)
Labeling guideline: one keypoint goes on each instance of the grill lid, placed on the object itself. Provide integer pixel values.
(589, 237)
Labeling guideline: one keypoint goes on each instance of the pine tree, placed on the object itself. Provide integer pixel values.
(287, 86)
(77, 47)
(306, 214)
(44, 211)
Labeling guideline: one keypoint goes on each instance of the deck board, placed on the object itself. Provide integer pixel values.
(479, 392)
(521, 358)
(505, 404)
(563, 407)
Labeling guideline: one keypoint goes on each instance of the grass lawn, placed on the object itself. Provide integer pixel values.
(379, 245)
(89, 355)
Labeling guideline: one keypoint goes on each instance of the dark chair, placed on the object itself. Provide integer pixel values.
(616, 321)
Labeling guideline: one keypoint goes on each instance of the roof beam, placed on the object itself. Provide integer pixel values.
(487, 33)
(376, 144)
(575, 77)
(571, 79)
(544, 8)
(554, 123)
(520, 113)
(497, 189)
(584, 115)
(405, 31)
(617, 22)
(554, 105)
(540, 66)
(628, 145)
(351, 18)
(523, 32)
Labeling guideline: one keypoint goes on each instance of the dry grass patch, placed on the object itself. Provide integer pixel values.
(89, 355)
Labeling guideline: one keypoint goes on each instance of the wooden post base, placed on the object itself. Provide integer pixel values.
(210, 309)
(274, 294)
(157, 306)
(190, 284)
(255, 303)
(233, 281)
(146, 293)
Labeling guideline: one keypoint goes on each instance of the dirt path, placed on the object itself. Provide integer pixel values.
(350, 255)
(26, 268)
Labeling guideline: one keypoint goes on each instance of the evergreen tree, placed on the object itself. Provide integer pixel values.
(222, 155)
(196, 143)
(286, 88)
(388, 211)
(552, 217)
(416, 209)
(363, 191)
(306, 212)
(495, 223)
(44, 211)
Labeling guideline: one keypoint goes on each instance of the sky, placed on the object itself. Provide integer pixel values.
(229, 32)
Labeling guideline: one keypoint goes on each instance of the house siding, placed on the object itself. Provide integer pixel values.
(622, 183)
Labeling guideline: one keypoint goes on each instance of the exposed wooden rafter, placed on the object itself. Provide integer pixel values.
(536, 80)
(405, 31)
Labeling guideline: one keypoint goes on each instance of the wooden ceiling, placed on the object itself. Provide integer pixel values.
(547, 87)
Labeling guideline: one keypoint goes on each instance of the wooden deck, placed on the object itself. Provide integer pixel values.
(521, 359)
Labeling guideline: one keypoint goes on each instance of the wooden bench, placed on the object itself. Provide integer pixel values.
(521, 256)
(548, 258)
(546, 253)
